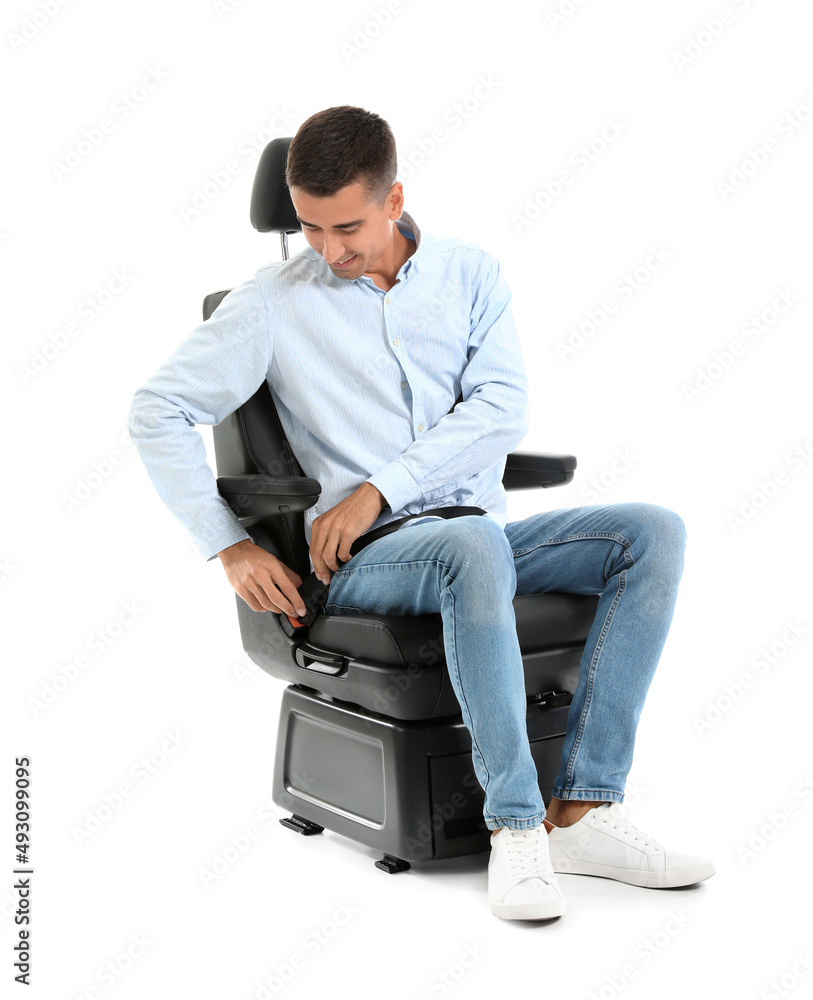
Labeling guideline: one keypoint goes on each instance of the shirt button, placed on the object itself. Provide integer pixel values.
(396, 341)
(387, 300)
(420, 427)
(403, 385)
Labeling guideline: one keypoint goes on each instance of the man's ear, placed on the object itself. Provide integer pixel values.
(396, 200)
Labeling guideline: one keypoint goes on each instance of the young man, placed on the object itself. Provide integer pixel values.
(366, 339)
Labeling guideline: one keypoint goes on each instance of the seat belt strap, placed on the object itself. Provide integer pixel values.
(314, 593)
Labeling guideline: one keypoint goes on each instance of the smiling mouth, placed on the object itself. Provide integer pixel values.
(345, 263)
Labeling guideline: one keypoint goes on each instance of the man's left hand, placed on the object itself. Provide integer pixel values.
(333, 532)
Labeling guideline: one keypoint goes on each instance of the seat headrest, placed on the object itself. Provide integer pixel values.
(272, 210)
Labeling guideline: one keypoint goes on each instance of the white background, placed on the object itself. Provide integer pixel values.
(694, 102)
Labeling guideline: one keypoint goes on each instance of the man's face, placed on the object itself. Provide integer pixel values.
(346, 226)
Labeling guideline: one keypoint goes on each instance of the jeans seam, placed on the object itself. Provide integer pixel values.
(613, 794)
(622, 582)
(528, 823)
(397, 563)
(612, 536)
(470, 727)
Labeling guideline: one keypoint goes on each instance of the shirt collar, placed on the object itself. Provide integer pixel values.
(407, 225)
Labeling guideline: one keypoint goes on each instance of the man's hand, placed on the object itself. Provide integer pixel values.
(263, 581)
(333, 532)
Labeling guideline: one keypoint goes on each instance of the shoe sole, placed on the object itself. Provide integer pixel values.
(647, 880)
(529, 911)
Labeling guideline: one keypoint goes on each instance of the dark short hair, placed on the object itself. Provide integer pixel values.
(341, 146)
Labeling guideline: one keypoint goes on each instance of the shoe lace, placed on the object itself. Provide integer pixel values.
(527, 857)
(614, 815)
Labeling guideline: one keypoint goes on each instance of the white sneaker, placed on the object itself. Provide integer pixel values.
(521, 882)
(604, 842)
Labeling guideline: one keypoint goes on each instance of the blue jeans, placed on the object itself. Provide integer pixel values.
(469, 569)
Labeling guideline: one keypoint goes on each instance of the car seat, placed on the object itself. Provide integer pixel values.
(371, 742)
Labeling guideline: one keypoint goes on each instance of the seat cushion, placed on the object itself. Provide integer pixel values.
(544, 622)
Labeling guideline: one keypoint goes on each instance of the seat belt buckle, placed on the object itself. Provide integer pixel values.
(314, 596)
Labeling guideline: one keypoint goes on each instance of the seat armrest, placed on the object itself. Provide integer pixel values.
(530, 470)
(258, 495)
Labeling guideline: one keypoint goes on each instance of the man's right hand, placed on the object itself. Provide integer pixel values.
(263, 581)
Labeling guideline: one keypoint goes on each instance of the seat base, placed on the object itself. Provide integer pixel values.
(405, 788)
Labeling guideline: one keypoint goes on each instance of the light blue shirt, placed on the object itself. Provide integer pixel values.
(362, 379)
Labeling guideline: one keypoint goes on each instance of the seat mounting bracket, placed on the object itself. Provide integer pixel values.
(301, 825)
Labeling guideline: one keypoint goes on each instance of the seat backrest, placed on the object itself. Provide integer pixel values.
(252, 439)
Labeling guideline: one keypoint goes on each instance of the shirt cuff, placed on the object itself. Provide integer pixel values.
(218, 532)
(397, 484)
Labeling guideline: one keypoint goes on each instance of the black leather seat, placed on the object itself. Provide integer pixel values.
(371, 742)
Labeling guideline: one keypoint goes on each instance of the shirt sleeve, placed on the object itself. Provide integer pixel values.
(212, 373)
(491, 419)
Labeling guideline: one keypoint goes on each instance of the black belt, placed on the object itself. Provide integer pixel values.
(314, 593)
